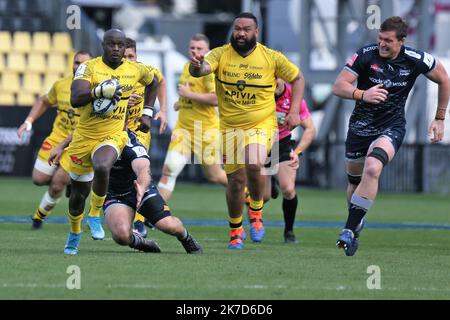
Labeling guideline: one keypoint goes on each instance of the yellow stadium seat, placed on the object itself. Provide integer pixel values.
(41, 42)
(36, 62)
(25, 99)
(2, 62)
(56, 62)
(32, 83)
(49, 79)
(5, 41)
(16, 62)
(61, 42)
(10, 82)
(22, 41)
(7, 99)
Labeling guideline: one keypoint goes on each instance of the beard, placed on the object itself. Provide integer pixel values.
(243, 48)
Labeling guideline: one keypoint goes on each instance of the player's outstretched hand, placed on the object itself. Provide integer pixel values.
(161, 115)
(295, 161)
(197, 60)
(376, 94)
(436, 131)
(26, 126)
(55, 155)
(292, 120)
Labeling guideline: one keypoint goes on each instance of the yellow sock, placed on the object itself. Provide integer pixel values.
(96, 204)
(40, 214)
(235, 223)
(75, 223)
(139, 217)
(256, 205)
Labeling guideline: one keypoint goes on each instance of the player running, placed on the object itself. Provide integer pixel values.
(99, 139)
(197, 127)
(65, 122)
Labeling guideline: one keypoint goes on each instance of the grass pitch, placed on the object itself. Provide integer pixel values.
(413, 263)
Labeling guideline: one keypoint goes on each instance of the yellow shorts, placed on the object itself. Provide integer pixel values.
(205, 144)
(77, 158)
(144, 138)
(234, 142)
(47, 146)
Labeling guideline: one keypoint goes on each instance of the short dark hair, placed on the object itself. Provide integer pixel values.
(200, 37)
(247, 15)
(83, 52)
(396, 24)
(130, 44)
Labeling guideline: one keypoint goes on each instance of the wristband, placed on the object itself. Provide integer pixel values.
(438, 118)
(299, 152)
(358, 94)
(148, 112)
(29, 124)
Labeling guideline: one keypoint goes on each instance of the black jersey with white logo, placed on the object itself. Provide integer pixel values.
(397, 76)
(122, 175)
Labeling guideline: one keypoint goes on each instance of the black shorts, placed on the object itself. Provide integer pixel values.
(153, 206)
(285, 147)
(356, 147)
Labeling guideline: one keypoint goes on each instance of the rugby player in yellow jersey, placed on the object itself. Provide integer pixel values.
(64, 124)
(98, 140)
(245, 73)
(197, 127)
(136, 105)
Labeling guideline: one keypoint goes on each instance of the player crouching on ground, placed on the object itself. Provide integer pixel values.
(130, 188)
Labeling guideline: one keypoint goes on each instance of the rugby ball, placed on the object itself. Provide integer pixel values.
(103, 105)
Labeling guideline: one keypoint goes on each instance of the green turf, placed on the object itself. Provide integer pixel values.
(414, 264)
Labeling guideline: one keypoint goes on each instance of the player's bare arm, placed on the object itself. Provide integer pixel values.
(150, 94)
(207, 99)
(141, 168)
(38, 109)
(162, 98)
(298, 89)
(309, 133)
(344, 88)
(198, 67)
(57, 152)
(80, 93)
(439, 76)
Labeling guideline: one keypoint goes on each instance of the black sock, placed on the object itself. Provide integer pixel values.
(136, 240)
(355, 215)
(289, 210)
(184, 236)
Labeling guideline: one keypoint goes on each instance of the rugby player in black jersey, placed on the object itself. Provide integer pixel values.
(385, 74)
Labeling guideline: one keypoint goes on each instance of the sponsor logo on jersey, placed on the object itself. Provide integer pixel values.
(368, 49)
(76, 160)
(46, 146)
(243, 66)
(404, 72)
(388, 83)
(376, 68)
(231, 74)
(252, 75)
(428, 59)
(413, 54)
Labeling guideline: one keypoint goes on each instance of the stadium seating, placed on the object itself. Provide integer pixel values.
(5, 42)
(30, 62)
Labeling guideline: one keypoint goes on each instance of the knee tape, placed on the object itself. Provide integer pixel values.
(380, 154)
(175, 162)
(355, 180)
